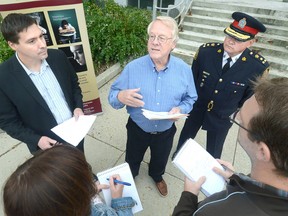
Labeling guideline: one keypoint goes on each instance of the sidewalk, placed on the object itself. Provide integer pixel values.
(105, 148)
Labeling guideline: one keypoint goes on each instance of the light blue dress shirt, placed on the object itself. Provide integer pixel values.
(49, 88)
(172, 87)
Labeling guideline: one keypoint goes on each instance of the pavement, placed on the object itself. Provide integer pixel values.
(105, 148)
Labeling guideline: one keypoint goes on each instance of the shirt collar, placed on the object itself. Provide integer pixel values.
(277, 191)
(44, 65)
(234, 58)
(164, 69)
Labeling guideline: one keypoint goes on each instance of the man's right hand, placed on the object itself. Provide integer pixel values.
(46, 142)
(228, 170)
(131, 97)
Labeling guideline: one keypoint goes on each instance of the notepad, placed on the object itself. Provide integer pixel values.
(129, 191)
(194, 161)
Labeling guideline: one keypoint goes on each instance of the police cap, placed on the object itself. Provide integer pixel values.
(244, 27)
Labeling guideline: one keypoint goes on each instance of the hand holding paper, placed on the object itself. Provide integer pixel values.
(73, 131)
(194, 161)
(162, 115)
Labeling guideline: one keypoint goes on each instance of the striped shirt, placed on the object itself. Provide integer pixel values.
(49, 88)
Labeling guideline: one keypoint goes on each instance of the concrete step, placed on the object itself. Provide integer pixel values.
(191, 45)
(278, 65)
(276, 40)
(208, 19)
(220, 13)
(263, 48)
(223, 22)
(257, 8)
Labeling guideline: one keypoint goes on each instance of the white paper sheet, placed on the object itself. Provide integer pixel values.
(73, 131)
(129, 191)
(194, 161)
(161, 115)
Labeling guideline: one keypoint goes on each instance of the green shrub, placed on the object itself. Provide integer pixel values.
(115, 33)
(5, 50)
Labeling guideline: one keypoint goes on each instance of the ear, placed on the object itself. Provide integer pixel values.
(173, 46)
(263, 153)
(251, 42)
(12, 45)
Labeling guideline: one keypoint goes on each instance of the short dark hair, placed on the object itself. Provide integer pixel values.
(57, 181)
(271, 123)
(15, 23)
(63, 23)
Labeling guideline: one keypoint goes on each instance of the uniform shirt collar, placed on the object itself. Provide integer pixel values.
(234, 58)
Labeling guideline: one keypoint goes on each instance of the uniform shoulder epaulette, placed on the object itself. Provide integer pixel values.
(258, 57)
(211, 45)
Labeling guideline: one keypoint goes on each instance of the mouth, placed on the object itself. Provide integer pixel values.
(154, 49)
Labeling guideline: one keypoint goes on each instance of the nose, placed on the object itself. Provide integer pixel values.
(42, 42)
(76, 56)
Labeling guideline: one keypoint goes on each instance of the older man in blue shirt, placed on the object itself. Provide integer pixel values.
(158, 82)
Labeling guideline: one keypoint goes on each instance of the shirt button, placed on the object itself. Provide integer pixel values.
(220, 80)
(157, 103)
(216, 91)
(158, 90)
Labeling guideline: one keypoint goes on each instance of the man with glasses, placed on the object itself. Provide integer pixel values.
(158, 82)
(222, 74)
(263, 134)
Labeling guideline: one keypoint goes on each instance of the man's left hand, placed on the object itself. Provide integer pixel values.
(175, 110)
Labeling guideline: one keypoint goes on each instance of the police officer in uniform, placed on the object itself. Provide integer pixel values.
(223, 74)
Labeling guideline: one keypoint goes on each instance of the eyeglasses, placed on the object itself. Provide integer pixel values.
(235, 121)
(161, 39)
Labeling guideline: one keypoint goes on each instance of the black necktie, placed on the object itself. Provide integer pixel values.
(226, 66)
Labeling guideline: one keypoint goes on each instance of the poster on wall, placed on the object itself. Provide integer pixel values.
(64, 27)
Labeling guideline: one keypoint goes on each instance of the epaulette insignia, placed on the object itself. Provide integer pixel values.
(258, 57)
(211, 45)
(244, 59)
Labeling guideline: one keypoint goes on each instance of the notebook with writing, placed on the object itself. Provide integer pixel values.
(194, 161)
(129, 191)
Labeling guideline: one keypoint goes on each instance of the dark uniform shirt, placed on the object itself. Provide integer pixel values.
(219, 95)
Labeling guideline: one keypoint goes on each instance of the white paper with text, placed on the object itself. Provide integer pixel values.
(194, 161)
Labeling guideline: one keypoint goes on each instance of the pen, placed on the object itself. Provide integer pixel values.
(120, 182)
(228, 169)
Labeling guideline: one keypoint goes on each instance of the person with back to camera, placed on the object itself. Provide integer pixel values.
(222, 74)
(39, 88)
(263, 134)
(59, 182)
(158, 82)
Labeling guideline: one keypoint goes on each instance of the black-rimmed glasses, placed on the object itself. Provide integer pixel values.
(235, 121)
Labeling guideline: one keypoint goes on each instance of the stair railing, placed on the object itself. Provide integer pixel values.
(177, 11)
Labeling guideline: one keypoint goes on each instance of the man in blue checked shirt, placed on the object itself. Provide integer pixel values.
(158, 82)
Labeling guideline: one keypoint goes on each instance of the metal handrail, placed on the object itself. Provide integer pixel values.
(183, 7)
